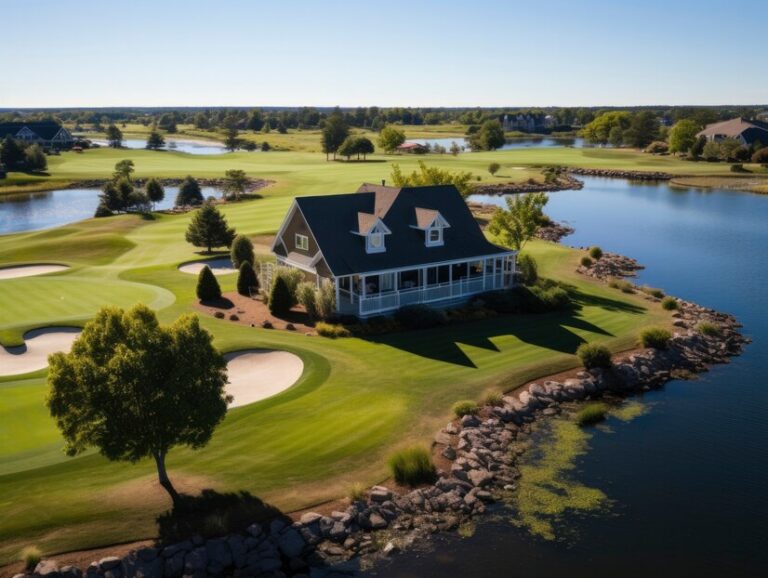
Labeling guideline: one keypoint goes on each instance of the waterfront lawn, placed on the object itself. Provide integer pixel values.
(335, 428)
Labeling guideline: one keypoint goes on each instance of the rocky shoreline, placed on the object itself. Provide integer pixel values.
(563, 182)
(478, 468)
(631, 175)
(610, 265)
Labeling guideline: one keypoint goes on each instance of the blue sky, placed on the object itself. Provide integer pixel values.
(409, 53)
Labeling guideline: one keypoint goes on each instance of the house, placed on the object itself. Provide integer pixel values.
(413, 147)
(48, 134)
(386, 247)
(747, 132)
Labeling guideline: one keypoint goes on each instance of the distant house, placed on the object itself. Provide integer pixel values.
(413, 147)
(386, 247)
(747, 132)
(48, 134)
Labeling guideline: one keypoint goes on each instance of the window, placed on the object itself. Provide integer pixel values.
(302, 242)
(434, 236)
(375, 239)
(375, 242)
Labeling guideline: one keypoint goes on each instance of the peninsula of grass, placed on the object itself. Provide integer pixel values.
(335, 428)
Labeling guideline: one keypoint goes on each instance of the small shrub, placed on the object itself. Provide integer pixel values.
(586, 261)
(420, 317)
(465, 407)
(247, 281)
(31, 556)
(332, 330)
(412, 466)
(593, 355)
(493, 168)
(669, 303)
(207, 286)
(761, 156)
(655, 337)
(527, 269)
(280, 298)
(544, 298)
(242, 251)
(292, 277)
(652, 291)
(102, 211)
(493, 398)
(357, 492)
(325, 300)
(234, 317)
(290, 327)
(596, 253)
(305, 295)
(266, 324)
(592, 413)
(738, 168)
(709, 329)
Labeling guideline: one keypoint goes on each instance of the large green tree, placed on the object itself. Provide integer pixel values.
(390, 138)
(426, 176)
(189, 192)
(682, 135)
(155, 191)
(135, 389)
(123, 169)
(114, 136)
(12, 153)
(643, 129)
(208, 228)
(598, 130)
(235, 183)
(490, 136)
(155, 141)
(335, 131)
(34, 158)
(517, 224)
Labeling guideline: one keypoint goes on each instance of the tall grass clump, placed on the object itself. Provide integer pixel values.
(586, 261)
(357, 492)
(31, 556)
(412, 466)
(465, 407)
(622, 284)
(669, 303)
(709, 329)
(592, 413)
(652, 291)
(332, 330)
(493, 398)
(596, 253)
(655, 337)
(593, 355)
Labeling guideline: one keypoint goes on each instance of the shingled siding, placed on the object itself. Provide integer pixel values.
(298, 225)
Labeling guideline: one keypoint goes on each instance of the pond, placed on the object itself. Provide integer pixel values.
(190, 146)
(32, 211)
(686, 481)
(511, 144)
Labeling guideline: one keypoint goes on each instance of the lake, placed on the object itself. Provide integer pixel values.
(193, 147)
(687, 480)
(32, 211)
(511, 144)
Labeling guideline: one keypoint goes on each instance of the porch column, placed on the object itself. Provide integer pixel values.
(493, 272)
(450, 278)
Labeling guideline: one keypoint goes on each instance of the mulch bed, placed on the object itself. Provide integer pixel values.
(253, 313)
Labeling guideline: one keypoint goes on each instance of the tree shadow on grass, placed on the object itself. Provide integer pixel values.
(212, 514)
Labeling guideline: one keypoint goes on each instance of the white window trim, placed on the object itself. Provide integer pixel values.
(370, 247)
(428, 239)
(301, 241)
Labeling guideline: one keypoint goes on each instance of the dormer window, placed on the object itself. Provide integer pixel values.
(375, 243)
(434, 236)
(373, 229)
(432, 223)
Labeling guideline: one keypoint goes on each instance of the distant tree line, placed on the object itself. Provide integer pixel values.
(16, 155)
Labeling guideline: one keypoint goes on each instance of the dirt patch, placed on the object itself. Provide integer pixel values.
(30, 270)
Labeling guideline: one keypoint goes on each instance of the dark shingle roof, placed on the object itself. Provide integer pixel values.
(751, 130)
(332, 218)
(46, 130)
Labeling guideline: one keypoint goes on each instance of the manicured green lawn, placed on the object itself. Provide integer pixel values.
(308, 444)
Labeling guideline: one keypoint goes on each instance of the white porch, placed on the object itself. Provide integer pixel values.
(438, 284)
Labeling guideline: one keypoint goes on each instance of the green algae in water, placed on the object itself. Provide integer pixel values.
(629, 410)
(546, 489)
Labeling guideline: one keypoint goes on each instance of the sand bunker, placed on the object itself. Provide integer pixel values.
(260, 373)
(39, 344)
(29, 270)
(221, 266)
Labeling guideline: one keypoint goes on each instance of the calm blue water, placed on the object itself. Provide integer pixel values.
(32, 211)
(689, 478)
(192, 147)
(516, 143)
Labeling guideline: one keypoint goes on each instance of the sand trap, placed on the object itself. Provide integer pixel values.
(39, 344)
(260, 373)
(221, 266)
(29, 270)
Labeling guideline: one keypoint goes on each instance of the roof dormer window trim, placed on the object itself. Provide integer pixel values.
(433, 237)
(375, 237)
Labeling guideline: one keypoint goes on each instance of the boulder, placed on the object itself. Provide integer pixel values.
(480, 478)
(290, 543)
(309, 518)
(380, 494)
(109, 563)
(49, 568)
(376, 522)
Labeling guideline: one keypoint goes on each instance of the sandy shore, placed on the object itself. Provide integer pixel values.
(219, 266)
(256, 374)
(29, 270)
(39, 344)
